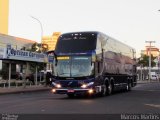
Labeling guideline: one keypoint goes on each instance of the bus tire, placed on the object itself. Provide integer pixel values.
(104, 91)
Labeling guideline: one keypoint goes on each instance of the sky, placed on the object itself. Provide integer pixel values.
(130, 21)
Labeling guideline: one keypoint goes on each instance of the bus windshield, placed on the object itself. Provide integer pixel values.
(73, 66)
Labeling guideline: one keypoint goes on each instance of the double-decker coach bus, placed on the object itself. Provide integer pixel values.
(91, 63)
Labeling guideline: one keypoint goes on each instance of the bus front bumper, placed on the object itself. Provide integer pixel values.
(73, 91)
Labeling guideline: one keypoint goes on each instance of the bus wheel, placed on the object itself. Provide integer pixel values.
(70, 95)
(129, 86)
(104, 90)
(109, 89)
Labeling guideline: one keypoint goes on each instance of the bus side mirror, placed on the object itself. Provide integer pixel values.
(92, 63)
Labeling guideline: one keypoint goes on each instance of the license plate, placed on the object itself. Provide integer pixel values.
(70, 91)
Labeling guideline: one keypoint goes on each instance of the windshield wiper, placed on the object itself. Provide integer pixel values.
(63, 73)
(78, 75)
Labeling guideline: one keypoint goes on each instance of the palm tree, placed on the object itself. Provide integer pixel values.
(37, 48)
(144, 61)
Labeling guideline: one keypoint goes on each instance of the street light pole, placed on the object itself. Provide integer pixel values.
(150, 42)
(41, 39)
(40, 27)
(141, 65)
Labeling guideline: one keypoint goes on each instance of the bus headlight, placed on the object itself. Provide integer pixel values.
(84, 86)
(58, 86)
(87, 85)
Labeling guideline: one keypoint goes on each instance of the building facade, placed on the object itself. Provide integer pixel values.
(51, 40)
(154, 51)
(15, 59)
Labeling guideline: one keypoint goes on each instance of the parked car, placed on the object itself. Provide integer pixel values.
(154, 77)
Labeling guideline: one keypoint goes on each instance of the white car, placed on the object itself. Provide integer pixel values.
(154, 77)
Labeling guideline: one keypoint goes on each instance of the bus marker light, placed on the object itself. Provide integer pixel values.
(53, 90)
(90, 91)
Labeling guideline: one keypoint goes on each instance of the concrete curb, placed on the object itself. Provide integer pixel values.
(23, 90)
(145, 82)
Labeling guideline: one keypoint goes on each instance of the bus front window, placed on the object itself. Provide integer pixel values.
(76, 66)
(62, 69)
(81, 66)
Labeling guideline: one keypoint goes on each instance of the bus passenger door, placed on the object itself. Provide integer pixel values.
(98, 75)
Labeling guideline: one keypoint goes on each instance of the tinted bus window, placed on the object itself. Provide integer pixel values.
(80, 42)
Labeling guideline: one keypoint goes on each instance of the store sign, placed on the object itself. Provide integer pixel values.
(14, 54)
(50, 59)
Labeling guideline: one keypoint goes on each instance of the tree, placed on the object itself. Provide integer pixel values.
(144, 60)
(37, 48)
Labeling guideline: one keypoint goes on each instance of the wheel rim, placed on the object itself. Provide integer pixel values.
(109, 89)
(104, 90)
(127, 87)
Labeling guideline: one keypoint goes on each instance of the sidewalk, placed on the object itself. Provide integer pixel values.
(146, 81)
(21, 89)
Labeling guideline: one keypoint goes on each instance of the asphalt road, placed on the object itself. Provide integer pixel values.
(143, 99)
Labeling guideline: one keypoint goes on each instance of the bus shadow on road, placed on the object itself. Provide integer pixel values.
(83, 97)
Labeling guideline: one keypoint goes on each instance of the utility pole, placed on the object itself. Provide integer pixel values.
(150, 42)
(41, 29)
